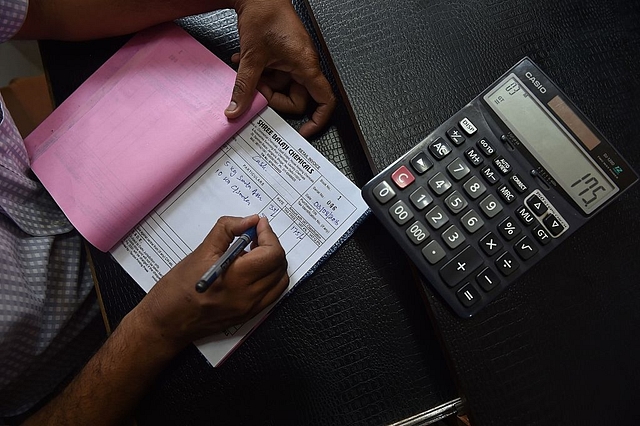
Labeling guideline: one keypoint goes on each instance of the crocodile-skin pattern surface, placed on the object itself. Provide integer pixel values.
(352, 345)
(559, 346)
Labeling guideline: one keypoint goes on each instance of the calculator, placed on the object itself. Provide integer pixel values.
(497, 187)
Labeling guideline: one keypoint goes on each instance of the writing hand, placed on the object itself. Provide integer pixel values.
(251, 283)
(278, 58)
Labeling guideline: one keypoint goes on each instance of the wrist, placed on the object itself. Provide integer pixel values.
(139, 328)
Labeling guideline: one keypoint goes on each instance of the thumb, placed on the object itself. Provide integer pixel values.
(244, 89)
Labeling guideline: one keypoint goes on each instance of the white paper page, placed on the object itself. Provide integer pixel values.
(266, 169)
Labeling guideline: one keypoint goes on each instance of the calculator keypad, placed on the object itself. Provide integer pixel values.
(470, 213)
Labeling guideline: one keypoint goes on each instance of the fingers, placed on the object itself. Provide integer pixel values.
(319, 119)
(288, 51)
(263, 259)
(251, 283)
(297, 99)
(224, 232)
(255, 280)
(266, 236)
(295, 102)
(321, 92)
(249, 72)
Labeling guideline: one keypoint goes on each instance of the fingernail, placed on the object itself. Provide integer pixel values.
(232, 106)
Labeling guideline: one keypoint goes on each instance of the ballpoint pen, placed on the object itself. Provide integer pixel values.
(225, 260)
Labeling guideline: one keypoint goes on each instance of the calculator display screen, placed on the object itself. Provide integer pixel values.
(550, 144)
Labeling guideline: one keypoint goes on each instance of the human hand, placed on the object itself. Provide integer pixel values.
(278, 58)
(252, 282)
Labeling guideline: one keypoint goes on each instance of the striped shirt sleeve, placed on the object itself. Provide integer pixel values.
(12, 16)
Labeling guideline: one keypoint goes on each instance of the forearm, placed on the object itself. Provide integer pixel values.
(112, 383)
(87, 19)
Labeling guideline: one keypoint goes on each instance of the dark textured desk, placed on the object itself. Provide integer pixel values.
(559, 346)
(350, 346)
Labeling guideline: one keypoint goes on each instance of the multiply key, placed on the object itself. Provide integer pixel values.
(460, 266)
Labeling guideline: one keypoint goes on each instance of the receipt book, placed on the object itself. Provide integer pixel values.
(143, 162)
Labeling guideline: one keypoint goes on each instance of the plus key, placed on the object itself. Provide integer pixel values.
(460, 266)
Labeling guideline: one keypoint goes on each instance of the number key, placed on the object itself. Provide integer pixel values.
(417, 233)
(490, 206)
(400, 212)
(439, 183)
(458, 169)
(453, 237)
(474, 188)
(472, 221)
(436, 217)
(383, 192)
(455, 202)
(420, 198)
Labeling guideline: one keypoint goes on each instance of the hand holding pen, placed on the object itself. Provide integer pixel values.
(251, 282)
(221, 265)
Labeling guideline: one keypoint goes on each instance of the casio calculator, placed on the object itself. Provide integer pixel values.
(497, 187)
